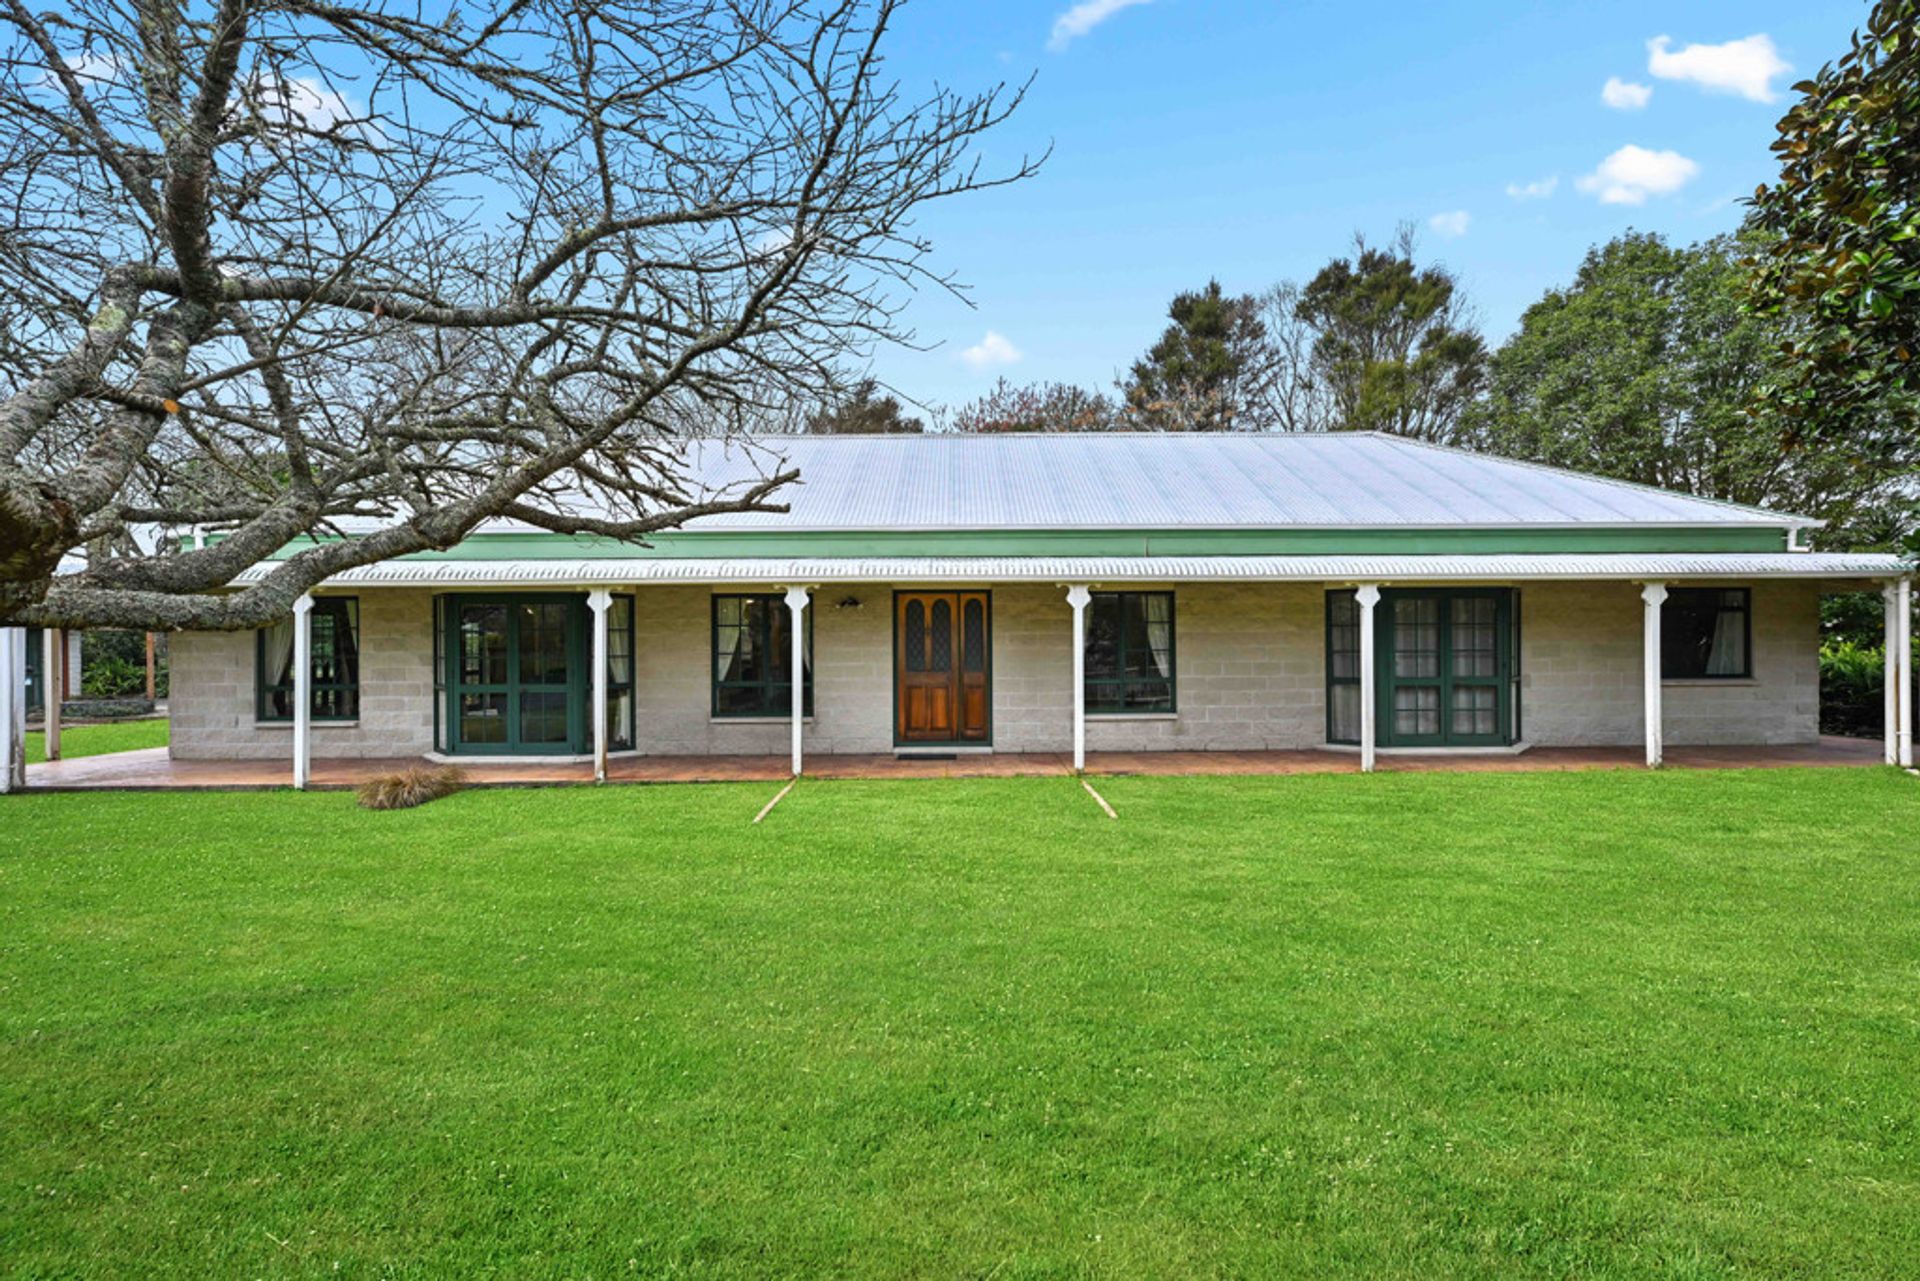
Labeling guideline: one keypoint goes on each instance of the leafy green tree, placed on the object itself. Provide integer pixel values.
(1841, 263)
(1645, 368)
(1196, 377)
(1394, 349)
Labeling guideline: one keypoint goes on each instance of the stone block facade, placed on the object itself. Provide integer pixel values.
(1580, 671)
(1250, 664)
(211, 690)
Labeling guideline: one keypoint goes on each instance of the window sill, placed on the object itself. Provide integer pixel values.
(756, 720)
(316, 724)
(1707, 682)
(1133, 716)
(1485, 749)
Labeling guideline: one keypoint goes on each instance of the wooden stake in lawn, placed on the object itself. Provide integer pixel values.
(777, 796)
(1099, 799)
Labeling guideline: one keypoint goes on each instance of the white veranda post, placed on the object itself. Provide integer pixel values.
(13, 708)
(302, 691)
(797, 664)
(1077, 596)
(1654, 594)
(599, 601)
(1903, 670)
(1367, 597)
(1890, 672)
(53, 686)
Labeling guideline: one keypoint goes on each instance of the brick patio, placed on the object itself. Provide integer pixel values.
(153, 770)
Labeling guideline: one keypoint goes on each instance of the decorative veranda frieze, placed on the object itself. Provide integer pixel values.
(1156, 569)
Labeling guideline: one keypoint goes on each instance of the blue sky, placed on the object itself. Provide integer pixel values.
(1249, 141)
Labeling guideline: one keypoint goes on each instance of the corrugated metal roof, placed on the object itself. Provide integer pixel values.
(1118, 569)
(1159, 481)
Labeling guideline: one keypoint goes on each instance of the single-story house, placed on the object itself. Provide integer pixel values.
(948, 594)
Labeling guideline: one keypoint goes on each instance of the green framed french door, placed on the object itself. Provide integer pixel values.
(516, 674)
(1445, 666)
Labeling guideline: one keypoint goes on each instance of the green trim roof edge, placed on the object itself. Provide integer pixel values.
(1190, 542)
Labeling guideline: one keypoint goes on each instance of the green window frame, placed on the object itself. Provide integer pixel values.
(1706, 634)
(442, 715)
(751, 655)
(36, 694)
(1130, 667)
(620, 675)
(334, 662)
(1495, 673)
(1343, 666)
(515, 668)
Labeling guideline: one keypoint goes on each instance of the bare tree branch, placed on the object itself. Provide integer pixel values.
(280, 268)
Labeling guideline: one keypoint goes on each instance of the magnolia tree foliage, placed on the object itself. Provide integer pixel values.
(276, 263)
(1839, 265)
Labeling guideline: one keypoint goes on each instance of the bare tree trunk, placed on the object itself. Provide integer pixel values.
(345, 282)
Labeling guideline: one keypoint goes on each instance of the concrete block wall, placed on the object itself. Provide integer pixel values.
(1033, 669)
(853, 671)
(1250, 664)
(210, 698)
(1581, 671)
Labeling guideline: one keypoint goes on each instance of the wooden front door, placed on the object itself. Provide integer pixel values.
(941, 645)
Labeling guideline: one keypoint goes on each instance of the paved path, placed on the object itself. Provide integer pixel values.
(150, 769)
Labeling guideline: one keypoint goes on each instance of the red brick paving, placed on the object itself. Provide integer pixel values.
(152, 770)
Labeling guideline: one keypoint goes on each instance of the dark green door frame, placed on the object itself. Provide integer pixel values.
(511, 694)
(1446, 678)
(36, 691)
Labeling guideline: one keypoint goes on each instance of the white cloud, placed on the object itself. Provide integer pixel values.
(772, 242)
(1625, 95)
(302, 102)
(1631, 174)
(992, 350)
(1451, 223)
(1084, 17)
(1746, 67)
(97, 73)
(1539, 189)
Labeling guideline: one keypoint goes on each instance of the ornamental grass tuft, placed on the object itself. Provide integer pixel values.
(415, 785)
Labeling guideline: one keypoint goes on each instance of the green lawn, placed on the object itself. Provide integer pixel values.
(97, 740)
(1575, 1025)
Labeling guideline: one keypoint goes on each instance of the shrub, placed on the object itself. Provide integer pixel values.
(111, 677)
(1852, 688)
(415, 785)
(114, 662)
